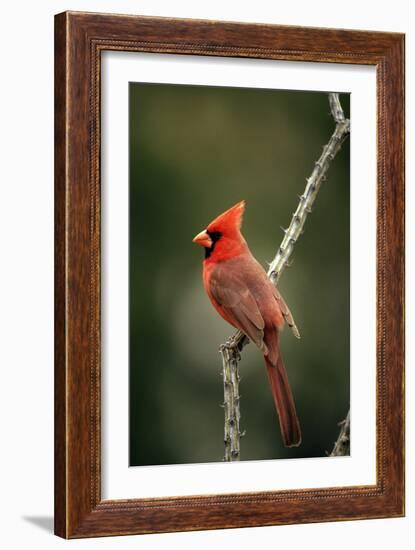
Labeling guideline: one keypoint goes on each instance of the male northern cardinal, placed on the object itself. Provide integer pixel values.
(243, 295)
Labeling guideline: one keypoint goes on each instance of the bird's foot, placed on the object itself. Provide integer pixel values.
(232, 345)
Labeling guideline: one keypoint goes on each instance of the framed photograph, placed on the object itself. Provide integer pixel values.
(279, 151)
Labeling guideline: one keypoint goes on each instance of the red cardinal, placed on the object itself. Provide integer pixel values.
(243, 295)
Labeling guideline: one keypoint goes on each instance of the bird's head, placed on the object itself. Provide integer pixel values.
(223, 235)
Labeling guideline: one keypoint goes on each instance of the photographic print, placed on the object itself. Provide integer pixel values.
(251, 177)
(229, 287)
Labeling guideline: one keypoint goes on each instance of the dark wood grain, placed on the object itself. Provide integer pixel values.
(79, 40)
(60, 277)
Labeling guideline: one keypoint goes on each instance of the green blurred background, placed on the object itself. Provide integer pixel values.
(194, 152)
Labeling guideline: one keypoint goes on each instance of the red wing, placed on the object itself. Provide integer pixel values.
(232, 294)
(286, 313)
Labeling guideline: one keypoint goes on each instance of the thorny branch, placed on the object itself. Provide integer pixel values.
(342, 445)
(230, 351)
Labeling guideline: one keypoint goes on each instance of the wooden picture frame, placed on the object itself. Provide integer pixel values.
(79, 40)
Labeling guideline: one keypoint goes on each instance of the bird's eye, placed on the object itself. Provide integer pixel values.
(214, 235)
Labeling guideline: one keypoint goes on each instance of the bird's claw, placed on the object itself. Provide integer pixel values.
(231, 342)
(232, 346)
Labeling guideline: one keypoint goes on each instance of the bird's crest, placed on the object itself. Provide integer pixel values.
(230, 220)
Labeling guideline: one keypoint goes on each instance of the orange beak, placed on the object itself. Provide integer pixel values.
(203, 239)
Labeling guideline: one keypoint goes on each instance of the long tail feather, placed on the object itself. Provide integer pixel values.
(283, 398)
